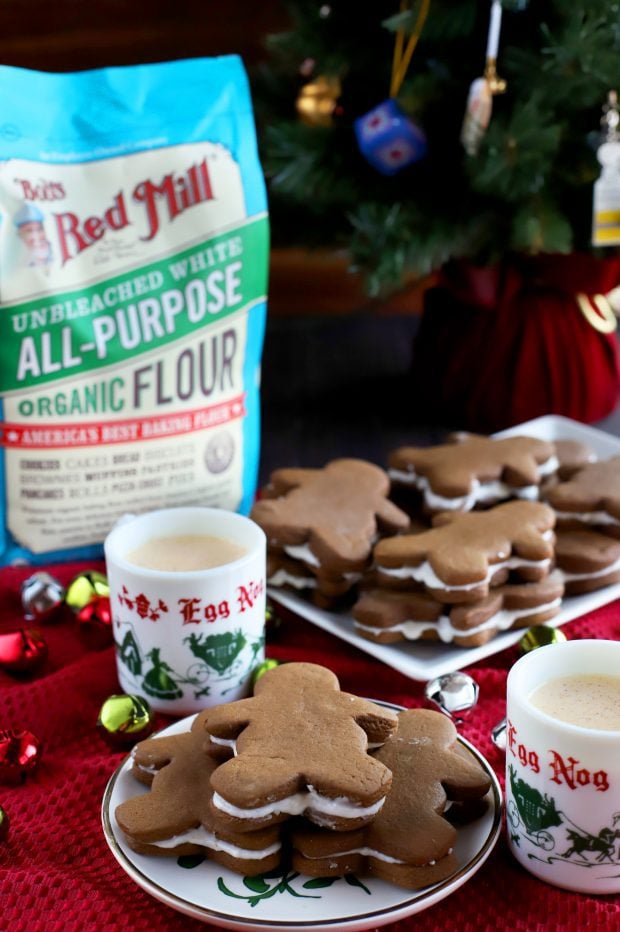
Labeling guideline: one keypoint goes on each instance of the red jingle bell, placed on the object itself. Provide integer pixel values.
(19, 754)
(95, 623)
(22, 651)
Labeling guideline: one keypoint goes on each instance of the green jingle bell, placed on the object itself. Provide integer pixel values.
(540, 636)
(273, 620)
(84, 587)
(4, 825)
(262, 668)
(125, 719)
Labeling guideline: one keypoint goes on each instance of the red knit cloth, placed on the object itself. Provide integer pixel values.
(56, 871)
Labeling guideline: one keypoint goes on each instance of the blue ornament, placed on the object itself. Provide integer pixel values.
(389, 139)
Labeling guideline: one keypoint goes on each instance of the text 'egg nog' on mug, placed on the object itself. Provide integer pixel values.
(187, 590)
(563, 764)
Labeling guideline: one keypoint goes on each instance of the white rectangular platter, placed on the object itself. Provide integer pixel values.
(424, 661)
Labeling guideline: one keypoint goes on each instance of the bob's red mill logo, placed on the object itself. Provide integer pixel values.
(161, 202)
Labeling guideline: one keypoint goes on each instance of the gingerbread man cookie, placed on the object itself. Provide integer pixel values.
(409, 843)
(329, 518)
(587, 560)
(387, 616)
(301, 748)
(474, 471)
(174, 817)
(465, 553)
(591, 498)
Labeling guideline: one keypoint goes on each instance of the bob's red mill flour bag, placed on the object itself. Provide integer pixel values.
(133, 277)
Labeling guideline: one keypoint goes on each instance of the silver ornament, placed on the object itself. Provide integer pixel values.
(498, 735)
(42, 596)
(455, 694)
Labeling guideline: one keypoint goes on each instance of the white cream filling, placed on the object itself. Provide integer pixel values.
(302, 552)
(595, 574)
(282, 578)
(365, 852)
(425, 574)
(200, 836)
(491, 491)
(145, 769)
(225, 743)
(371, 853)
(502, 620)
(588, 517)
(339, 807)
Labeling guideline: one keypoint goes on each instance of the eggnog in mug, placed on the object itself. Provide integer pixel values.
(179, 553)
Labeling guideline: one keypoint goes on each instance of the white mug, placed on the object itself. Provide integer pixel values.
(562, 779)
(187, 639)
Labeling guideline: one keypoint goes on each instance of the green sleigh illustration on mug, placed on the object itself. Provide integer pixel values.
(218, 658)
(534, 817)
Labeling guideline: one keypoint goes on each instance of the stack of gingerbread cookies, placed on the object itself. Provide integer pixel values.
(484, 564)
(455, 542)
(321, 526)
(587, 508)
(303, 773)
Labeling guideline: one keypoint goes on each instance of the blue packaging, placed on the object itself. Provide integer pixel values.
(134, 247)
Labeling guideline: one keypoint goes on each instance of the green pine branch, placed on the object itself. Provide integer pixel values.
(529, 188)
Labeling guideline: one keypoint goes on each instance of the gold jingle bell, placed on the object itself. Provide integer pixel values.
(540, 636)
(125, 719)
(318, 100)
(86, 586)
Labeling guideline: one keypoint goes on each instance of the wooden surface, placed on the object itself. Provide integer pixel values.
(318, 282)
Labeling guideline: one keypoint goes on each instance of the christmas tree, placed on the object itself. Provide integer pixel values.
(526, 189)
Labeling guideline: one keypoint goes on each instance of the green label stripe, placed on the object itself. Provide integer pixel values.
(62, 335)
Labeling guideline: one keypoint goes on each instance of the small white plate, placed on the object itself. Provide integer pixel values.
(292, 902)
(426, 660)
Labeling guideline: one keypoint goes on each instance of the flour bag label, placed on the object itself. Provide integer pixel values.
(133, 275)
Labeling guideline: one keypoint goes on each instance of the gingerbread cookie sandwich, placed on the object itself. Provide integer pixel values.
(591, 498)
(301, 748)
(572, 456)
(474, 471)
(328, 519)
(325, 590)
(174, 817)
(389, 616)
(464, 554)
(409, 843)
(587, 560)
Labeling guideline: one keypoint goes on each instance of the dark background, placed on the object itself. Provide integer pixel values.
(334, 367)
(67, 35)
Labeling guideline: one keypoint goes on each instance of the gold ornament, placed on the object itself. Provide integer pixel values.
(86, 586)
(540, 636)
(125, 719)
(496, 84)
(598, 312)
(4, 825)
(318, 100)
